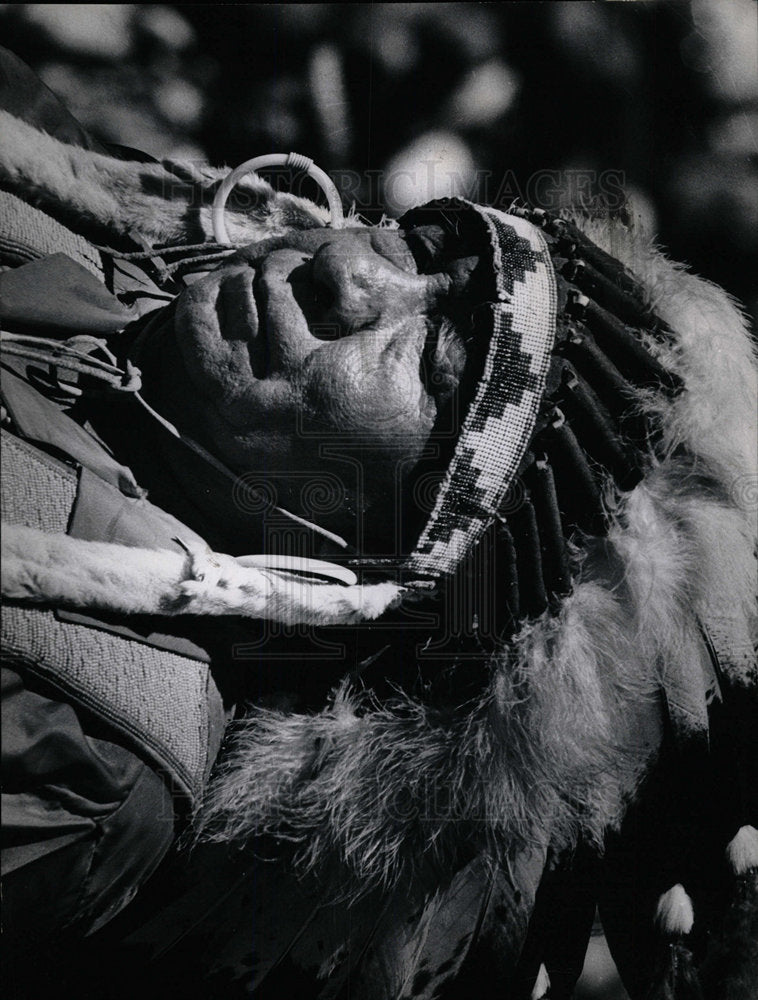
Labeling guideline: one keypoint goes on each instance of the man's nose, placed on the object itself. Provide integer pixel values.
(358, 286)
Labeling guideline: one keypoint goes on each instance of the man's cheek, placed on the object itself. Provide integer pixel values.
(216, 366)
(374, 398)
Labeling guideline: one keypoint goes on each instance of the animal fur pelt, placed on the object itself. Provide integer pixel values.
(151, 203)
(69, 572)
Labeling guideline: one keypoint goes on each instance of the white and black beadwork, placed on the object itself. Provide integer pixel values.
(501, 418)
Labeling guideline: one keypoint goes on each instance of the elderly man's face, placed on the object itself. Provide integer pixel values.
(319, 337)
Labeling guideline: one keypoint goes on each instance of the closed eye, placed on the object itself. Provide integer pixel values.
(403, 260)
(426, 245)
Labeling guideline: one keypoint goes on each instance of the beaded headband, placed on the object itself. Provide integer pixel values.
(501, 417)
(554, 418)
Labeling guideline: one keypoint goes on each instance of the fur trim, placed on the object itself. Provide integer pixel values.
(552, 743)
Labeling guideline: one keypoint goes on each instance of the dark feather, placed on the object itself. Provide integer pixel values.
(429, 950)
(730, 969)
(676, 977)
(499, 929)
(560, 926)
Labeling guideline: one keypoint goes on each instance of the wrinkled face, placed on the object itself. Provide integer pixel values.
(323, 350)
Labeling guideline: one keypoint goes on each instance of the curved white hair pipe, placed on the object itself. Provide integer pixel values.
(294, 160)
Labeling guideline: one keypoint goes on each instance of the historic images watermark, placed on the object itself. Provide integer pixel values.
(551, 189)
(744, 492)
(369, 192)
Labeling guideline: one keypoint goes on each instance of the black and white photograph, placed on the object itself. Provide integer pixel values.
(379, 409)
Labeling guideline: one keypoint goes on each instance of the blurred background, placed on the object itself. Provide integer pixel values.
(649, 109)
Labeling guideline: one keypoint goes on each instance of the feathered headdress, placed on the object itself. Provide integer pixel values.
(591, 553)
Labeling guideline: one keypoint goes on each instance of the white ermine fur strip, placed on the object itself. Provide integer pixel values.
(674, 915)
(56, 569)
(742, 851)
(541, 988)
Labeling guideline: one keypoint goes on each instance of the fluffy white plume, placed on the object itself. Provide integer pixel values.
(742, 851)
(674, 915)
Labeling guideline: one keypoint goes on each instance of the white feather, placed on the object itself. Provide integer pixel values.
(742, 851)
(674, 915)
